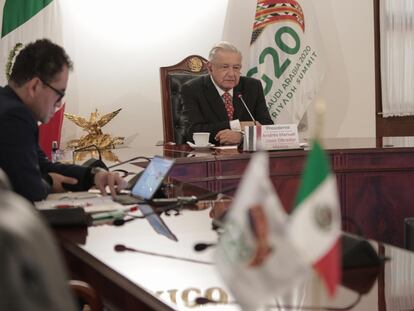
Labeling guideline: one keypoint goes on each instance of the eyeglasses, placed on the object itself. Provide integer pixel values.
(60, 93)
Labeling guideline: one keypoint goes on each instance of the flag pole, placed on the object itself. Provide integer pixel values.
(320, 108)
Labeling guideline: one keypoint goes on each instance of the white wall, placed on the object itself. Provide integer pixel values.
(118, 47)
(347, 29)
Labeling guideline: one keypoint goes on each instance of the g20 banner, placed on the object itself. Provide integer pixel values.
(285, 56)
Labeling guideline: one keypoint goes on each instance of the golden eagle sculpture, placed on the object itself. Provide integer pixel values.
(95, 135)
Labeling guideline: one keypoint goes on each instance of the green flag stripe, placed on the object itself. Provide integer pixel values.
(315, 172)
(17, 12)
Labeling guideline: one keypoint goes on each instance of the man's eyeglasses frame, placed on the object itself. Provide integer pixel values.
(60, 93)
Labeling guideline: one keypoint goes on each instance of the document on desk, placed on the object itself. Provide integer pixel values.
(90, 202)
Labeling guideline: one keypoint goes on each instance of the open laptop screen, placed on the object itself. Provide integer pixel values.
(152, 177)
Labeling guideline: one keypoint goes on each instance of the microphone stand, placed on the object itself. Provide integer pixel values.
(203, 301)
(239, 95)
(194, 199)
(132, 181)
(87, 148)
(177, 206)
(130, 160)
(123, 248)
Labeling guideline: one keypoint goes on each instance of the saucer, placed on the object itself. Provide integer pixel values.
(208, 146)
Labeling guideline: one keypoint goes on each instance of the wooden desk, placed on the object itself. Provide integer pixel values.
(162, 274)
(374, 183)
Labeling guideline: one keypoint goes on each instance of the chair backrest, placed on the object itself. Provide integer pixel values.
(172, 79)
(51, 131)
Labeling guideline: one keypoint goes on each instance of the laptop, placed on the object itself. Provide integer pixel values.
(148, 183)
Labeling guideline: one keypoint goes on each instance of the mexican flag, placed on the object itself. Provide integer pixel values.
(286, 55)
(26, 21)
(254, 256)
(315, 224)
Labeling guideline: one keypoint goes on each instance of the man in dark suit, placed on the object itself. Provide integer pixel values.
(36, 86)
(212, 103)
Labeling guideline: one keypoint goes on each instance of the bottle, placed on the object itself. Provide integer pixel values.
(55, 151)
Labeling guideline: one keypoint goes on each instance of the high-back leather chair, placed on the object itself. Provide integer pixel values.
(172, 79)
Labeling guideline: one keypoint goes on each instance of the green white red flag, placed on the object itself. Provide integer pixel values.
(254, 255)
(315, 224)
(26, 21)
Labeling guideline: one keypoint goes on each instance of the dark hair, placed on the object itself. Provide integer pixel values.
(42, 59)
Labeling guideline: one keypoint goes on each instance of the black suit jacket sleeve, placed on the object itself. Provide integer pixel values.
(24, 162)
(82, 174)
(204, 111)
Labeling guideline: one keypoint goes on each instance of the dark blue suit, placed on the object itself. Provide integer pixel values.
(204, 110)
(20, 155)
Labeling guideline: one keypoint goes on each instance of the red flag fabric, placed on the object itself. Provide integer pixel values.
(51, 131)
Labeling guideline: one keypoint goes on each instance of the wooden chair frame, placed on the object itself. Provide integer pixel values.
(193, 65)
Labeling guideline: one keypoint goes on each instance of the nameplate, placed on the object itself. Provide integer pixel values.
(271, 137)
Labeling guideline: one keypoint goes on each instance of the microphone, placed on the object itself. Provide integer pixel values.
(181, 201)
(201, 301)
(133, 180)
(91, 163)
(121, 221)
(123, 248)
(127, 161)
(199, 247)
(239, 96)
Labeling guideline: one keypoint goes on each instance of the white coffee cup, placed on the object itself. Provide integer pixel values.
(201, 138)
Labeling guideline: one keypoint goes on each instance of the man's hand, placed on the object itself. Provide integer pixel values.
(111, 179)
(59, 179)
(219, 208)
(228, 137)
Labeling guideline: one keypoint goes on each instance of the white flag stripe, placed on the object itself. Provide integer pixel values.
(283, 268)
(312, 240)
(255, 189)
(281, 273)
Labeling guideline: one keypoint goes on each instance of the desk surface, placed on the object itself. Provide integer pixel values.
(161, 274)
(374, 177)
(157, 273)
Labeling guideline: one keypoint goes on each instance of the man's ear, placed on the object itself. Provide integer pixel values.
(33, 86)
(209, 65)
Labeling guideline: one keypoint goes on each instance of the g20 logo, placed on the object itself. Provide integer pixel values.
(278, 67)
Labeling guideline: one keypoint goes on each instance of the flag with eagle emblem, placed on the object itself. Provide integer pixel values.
(315, 223)
(25, 21)
(285, 55)
(254, 255)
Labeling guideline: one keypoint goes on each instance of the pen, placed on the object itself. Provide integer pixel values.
(130, 209)
(68, 205)
(108, 215)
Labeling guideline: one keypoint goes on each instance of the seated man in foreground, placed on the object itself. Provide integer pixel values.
(212, 103)
(35, 89)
